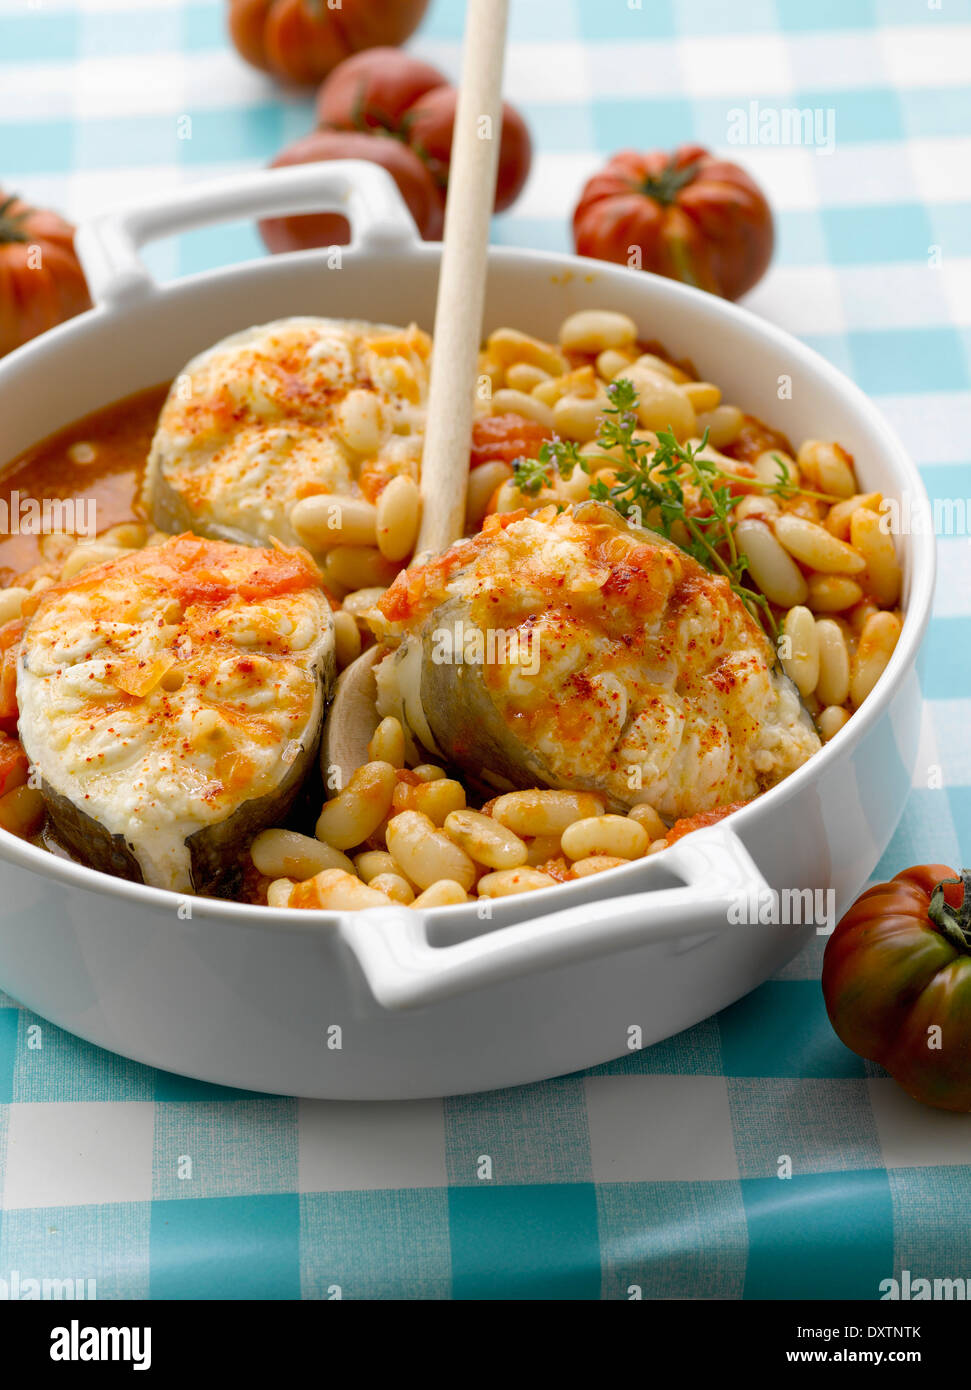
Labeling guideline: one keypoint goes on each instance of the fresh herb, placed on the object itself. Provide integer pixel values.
(784, 486)
(648, 489)
(532, 475)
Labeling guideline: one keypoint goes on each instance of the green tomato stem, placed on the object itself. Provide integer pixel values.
(11, 224)
(665, 186)
(953, 922)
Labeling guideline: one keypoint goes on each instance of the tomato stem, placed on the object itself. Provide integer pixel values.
(11, 224)
(665, 186)
(379, 120)
(369, 120)
(953, 922)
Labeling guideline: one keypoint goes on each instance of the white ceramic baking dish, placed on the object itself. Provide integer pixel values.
(397, 1003)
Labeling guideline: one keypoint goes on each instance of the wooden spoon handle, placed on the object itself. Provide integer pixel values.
(462, 278)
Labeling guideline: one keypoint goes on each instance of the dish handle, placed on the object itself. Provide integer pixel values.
(108, 245)
(405, 971)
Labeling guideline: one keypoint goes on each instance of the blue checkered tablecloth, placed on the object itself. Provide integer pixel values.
(661, 1175)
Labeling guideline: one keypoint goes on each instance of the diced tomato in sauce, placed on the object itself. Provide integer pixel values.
(505, 437)
(281, 572)
(756, 438)
(374, 477)
(557, 868)
(10, 635)
(14, 766)
(683, 827)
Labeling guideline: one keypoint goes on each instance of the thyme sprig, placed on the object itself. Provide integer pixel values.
(648, 489)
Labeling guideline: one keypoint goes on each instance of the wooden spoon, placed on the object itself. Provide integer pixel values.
(457, 334)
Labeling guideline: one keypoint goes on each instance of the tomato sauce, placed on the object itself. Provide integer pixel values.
(701, 821)
(754, 438)
(118, 436)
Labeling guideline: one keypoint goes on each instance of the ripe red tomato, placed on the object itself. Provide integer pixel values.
(687, 215)
(392, 93)
(373, 90)
(418, 188)
(395, 110)
(897, 982)
(41, 281)
(431, 123)
(304, 40)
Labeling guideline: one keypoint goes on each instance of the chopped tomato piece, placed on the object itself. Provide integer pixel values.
(699, 822)
(505, 437)
(10, 635)
(13, 764)
(557, 868)
(756, 438)
(280, 572)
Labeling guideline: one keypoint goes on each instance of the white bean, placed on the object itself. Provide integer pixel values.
(827, 467)
(773, 465)
(87, 554)
(358, 567)
(618, 836)
(326, 520)
(337, 891)
(359, 420)
(519, 403)
(832, 593)
(398, 889)
(485, 839)
(801, 663)
(483, 482)
(425, 853)
(613, 363)
(841, 513)
(438, 798)
(371, 862)
(661, 404)
(578, 418)
(657, 364)
(444, 893)
(833, 686)
(11, 602)
(397, 515)
(774, 571)
(541, 812)
(723, 424)
(831, 720)
(356, 812)
(524, 376)
(287, 854)
(347, 638)
(647, 816)
(815, 546)
(595, 330)
(883, 573)
(874, 650)
(596, 864)
(702, 395)
(387, 743)
(508, 345)
(132, 535)
(505, 882)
